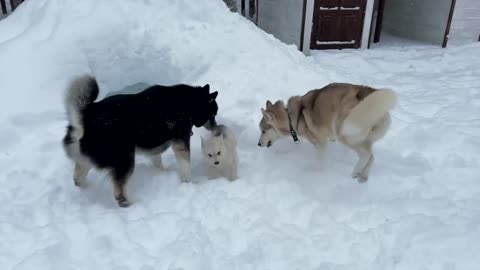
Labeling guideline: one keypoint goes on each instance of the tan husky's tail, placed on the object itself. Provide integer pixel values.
(367, 113)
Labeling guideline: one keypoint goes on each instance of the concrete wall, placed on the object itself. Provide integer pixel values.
(466, 22)
(423, 20)
(282, 18)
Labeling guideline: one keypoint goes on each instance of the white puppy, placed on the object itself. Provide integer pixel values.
(220, 149)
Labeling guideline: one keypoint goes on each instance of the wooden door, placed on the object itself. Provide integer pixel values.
(337, 24)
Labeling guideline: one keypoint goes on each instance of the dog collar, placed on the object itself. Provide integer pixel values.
(292, 131)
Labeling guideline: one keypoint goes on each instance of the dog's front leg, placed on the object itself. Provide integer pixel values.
(233, 170)
(80, 174)
(182, 154)
(321, 147)
(213, 172)
(157, 161)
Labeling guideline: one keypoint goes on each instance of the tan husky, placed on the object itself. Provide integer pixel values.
(355, 115)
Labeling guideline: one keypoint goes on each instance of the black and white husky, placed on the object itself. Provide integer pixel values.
(106, 134)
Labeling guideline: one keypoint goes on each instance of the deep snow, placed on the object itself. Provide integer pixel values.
(419, 210)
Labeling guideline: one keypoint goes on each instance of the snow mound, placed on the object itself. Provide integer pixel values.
(125, 42)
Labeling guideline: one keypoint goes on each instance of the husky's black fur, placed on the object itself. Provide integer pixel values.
(106, 134)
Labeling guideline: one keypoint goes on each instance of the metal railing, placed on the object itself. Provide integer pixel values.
(13, 4)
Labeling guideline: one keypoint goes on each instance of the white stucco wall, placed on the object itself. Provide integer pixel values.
(282, 18)
(466, 22)
(423, 20)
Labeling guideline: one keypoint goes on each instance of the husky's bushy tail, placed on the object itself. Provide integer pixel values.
(367, 114)
(81, 92)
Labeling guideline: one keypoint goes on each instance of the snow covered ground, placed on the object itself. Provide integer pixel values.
(419, 210)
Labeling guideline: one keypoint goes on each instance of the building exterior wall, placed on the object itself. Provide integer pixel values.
(423, 20)
(282, 18)
(466, 22)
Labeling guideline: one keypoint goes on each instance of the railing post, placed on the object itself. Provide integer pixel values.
(4, 6)
(15, 3)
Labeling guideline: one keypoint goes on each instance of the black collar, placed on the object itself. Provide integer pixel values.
(292, 131)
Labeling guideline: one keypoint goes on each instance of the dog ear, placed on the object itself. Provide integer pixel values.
(212, 97)
(218, 133)
(266, 115)
(268, 105)
(206, 87)
(279, 104)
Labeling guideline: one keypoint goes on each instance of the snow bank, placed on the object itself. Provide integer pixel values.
(123, 42)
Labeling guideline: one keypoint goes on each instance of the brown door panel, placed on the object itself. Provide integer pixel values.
(337, 24)
(350, 24)
(329, 3)
(350, 3)
(329, 27)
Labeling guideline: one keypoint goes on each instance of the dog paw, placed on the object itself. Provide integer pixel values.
(186, 179)
(159, 166)
(360, 177)
(79, 183)
(185, 175)
(123, 202)
(213, 175)
(232, 178)
(166, 168)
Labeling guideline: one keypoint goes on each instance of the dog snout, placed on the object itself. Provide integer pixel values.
(259, 144)
(269, 143)
(217, 162)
